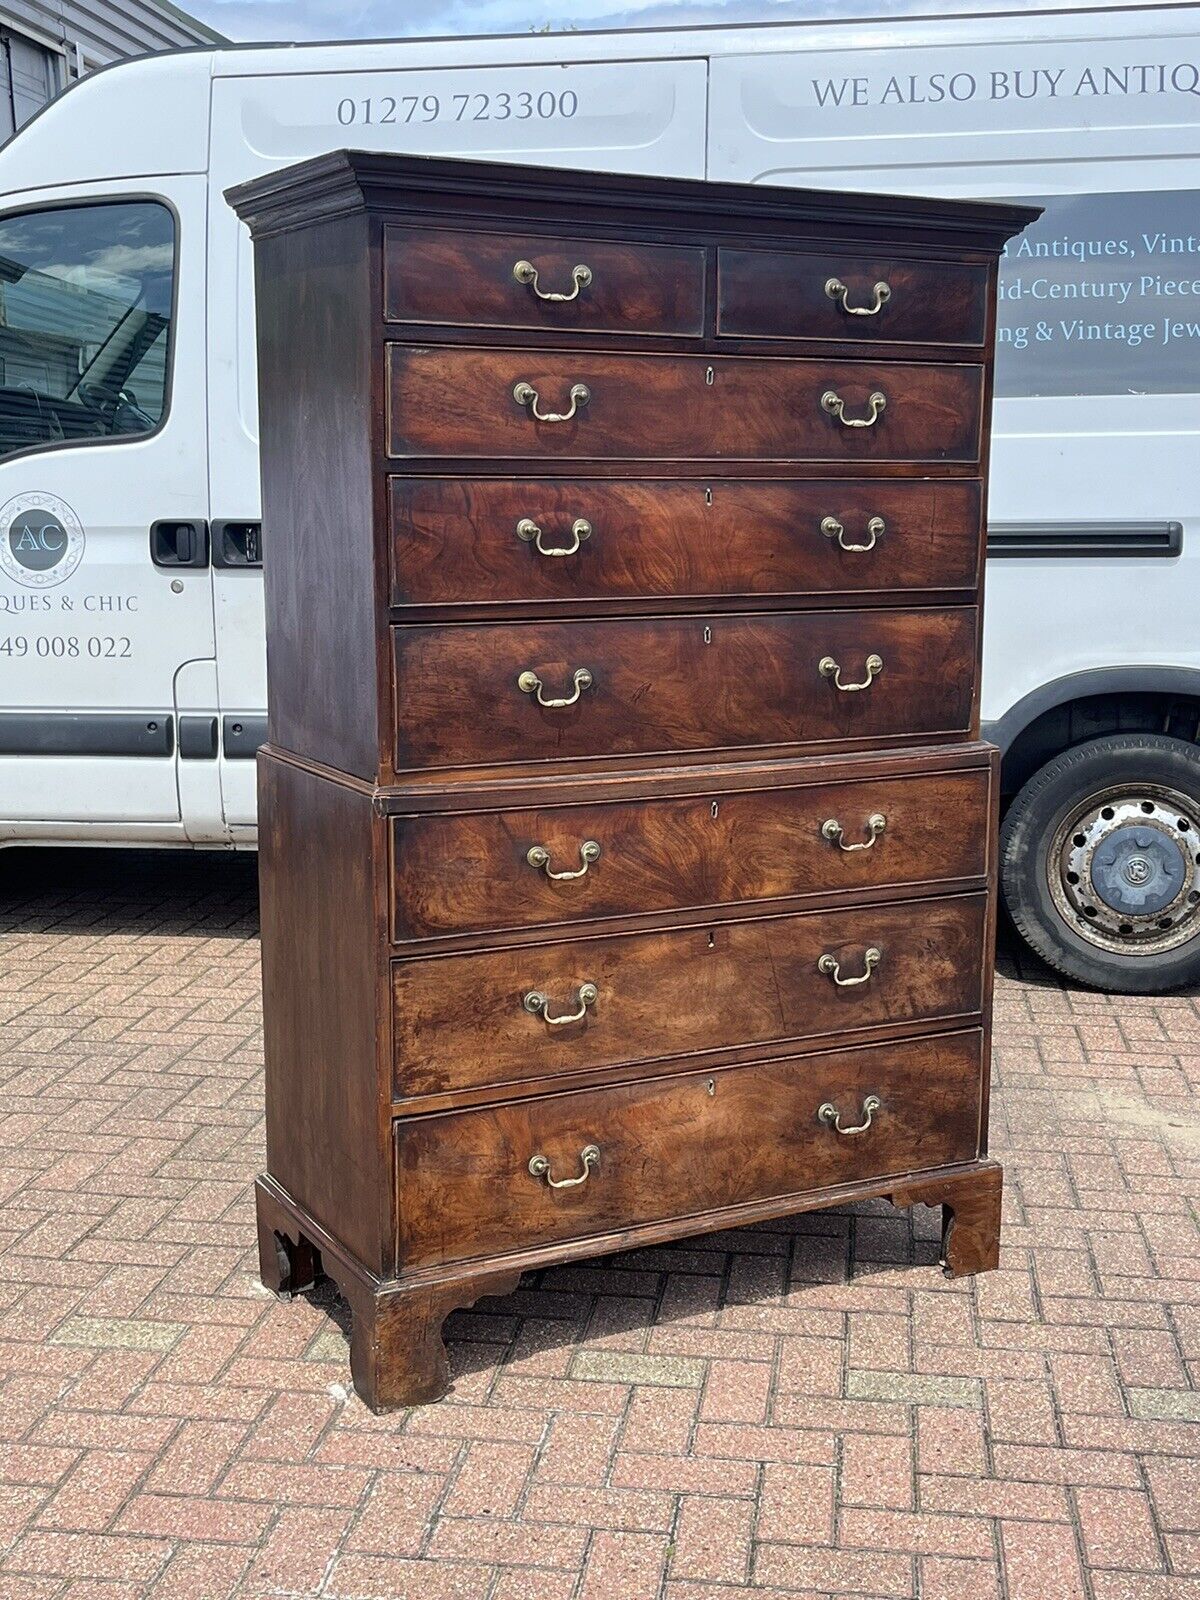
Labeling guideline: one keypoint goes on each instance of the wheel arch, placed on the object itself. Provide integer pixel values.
(1085, 705)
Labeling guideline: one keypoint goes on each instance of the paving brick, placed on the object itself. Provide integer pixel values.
(877, 1470)
(713, 1540)
(357, 1577)
(925, 1532)
(626, 1564)
(736, 1391)
(950, 1440)
(950, 1578)
(834, 1571)
(796, 1504)
(1117, 1529)
(1040, 1560)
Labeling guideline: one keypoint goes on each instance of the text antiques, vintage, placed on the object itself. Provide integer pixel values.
(627, 845)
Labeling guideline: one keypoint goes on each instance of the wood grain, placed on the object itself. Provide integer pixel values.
(461, 1021)
(776, 294)
(439, 275)
(459, 402)
(469, 872)
(670, 685)
(454, 541)
(677, 1146)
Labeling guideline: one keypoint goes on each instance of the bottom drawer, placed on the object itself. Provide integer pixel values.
(489, 1181)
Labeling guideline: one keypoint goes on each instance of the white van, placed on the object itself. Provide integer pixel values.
(132, 685)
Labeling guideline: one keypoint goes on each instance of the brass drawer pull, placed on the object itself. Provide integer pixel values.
(833, 529)
(528, 530)
(831, 967)
(589, 1156)
(836, 407)
(828, 668)
(828, 1114)
(538, 856)
(538, 1005)
(525, 272)
(529, 683)
(832, 830)
(526, 395)
(837, 290)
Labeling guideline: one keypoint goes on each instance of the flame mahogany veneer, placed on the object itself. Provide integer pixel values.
(709, 940)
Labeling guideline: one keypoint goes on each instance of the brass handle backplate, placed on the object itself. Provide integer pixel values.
(529, 683)
(833, 529)
(538, 856)
(837, 290)
(832, 830)
(528, 530)
(526, 395)
(831, 967)
(828, 1114)
(828, 668)
(539, 1166)
(538, 1005)
(525, 272)
(832, 402)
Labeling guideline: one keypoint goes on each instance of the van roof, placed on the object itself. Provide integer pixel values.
(155, 109)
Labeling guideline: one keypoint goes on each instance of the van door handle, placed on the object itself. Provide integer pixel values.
(179, 542)
(236, 543)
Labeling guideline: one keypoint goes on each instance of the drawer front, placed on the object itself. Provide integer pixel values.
(477, 694)
(488, 871)
(482, 403)
(494, 1017)
(768, 294)
(490, 280)
(483, 541)
(681, 1146)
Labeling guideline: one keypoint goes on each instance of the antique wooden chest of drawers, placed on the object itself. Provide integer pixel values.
(627, 844)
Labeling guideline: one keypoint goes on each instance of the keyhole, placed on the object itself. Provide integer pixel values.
(711, 1087)
(712, 941)
(708, 635)
(708, 376)
(715, 809)
(708, 497)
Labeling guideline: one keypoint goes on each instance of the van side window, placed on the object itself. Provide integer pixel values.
(86, 293)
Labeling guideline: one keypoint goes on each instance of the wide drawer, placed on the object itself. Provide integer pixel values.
(454, 402)
(556, 541)
(481, 694)
(684, 1146)
(487, 871)
(519, 280)
(839, 296)
(496, 1017)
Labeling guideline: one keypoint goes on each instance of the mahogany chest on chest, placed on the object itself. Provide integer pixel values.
(627, 845)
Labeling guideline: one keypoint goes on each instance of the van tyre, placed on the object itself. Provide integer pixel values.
(1100, 863)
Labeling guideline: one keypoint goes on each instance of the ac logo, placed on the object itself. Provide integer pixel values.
(41, 540)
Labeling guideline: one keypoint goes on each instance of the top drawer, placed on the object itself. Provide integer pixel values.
(775, 294)
(492, 280)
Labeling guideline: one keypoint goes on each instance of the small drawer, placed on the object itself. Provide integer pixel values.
(518, 280)
(555, 542)
(489, 1181)
(512, 692)
(577, 405)
(490, 871)
(499, 1017)
(769, 294)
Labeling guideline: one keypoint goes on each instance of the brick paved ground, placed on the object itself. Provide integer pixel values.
(798, 1408)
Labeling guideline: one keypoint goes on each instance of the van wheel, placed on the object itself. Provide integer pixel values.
(1100, 863)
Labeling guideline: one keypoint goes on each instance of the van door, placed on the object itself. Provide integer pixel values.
(105, 586)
